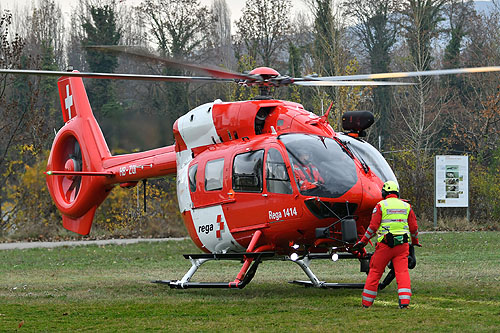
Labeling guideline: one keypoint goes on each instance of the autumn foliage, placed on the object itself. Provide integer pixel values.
(30, 212)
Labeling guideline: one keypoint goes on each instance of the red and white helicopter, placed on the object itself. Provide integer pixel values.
(256, 180)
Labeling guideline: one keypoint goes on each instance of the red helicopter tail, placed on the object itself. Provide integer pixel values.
(75, 174)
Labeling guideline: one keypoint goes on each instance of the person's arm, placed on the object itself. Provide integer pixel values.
(317, 176)
(412, 224)
(374, 224)
(371, 230)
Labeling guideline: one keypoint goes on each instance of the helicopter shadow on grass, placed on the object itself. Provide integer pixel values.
(267, 290)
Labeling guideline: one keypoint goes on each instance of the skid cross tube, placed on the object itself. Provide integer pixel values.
(244, 276)
(195, 264)
(185, 283)
(305, 262)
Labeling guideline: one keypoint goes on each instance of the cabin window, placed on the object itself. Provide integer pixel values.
(213, 175)
(247, 171)
(192, 177)
(276, 174)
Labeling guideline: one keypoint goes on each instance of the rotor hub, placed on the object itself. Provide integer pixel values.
(70, 166)
(265, 72)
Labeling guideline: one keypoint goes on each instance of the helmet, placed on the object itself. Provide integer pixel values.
(390, 187)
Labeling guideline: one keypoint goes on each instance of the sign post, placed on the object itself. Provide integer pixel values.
(451, 183)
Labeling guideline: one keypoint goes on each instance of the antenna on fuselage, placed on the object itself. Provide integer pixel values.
(324, 117)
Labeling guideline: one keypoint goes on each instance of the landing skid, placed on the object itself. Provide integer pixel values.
(305, 262)
(329, 285)
(248, 272)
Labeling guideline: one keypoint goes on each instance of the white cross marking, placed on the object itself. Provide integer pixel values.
(68, 101)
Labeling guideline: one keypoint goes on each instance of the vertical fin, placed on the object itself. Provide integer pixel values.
(80, 146)
(66, 95)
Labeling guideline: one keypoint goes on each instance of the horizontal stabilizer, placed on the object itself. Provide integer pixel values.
(79, 173)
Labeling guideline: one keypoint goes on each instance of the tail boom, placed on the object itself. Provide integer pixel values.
(148, 164)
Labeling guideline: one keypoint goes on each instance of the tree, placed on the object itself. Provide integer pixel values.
(45, 40)
(222, 34)
(419, 106)
(459, 14)
(476, 131)
(421, 19)
(327, 51)
(376, 29)
(331, 56)
(101, 29)
(178, 28)
(263, 27)
(475, 114)
(21, 126)
(74, 53)
(45, 26)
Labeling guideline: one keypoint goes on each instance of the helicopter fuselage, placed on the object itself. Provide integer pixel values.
(236, 174)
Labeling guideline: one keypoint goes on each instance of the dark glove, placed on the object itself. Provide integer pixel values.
(358, 246)
(361, 253)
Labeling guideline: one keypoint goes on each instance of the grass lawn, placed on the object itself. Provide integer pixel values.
(456, 287)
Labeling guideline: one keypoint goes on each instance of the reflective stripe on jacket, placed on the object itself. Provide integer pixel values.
(394, 218)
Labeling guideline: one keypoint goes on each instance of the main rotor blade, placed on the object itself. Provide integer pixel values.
(397, 75)
(115, 76)
(140, 53)
(351, 83)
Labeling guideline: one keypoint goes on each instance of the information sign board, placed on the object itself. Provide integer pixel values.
(452, 181)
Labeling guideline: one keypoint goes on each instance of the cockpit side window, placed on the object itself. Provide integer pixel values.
(247, 171)
(276, 173)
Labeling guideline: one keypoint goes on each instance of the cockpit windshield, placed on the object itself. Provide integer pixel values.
(321, 166)
(370, 157)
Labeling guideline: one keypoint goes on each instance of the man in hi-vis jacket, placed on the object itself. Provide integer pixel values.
(394, 221)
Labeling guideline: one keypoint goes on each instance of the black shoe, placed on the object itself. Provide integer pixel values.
(403, 306)
(365, 306)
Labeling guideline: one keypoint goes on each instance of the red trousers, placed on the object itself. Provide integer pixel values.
(383, 254)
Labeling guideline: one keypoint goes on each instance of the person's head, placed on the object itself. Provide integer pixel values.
(304, 156)
(390, 187)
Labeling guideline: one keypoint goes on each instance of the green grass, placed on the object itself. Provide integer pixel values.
(456, 287)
